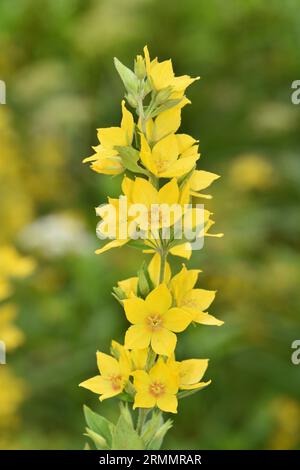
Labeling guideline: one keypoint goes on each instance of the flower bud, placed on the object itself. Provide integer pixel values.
(139, 67)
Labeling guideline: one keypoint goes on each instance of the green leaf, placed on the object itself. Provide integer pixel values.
(98, 424)
(99, 441)
(144, 283)
(125, 397)
(168, 105)
(87, 446)
(125, 436)
(130, 158)
(129, 79)
(151, 426)
(157, 440)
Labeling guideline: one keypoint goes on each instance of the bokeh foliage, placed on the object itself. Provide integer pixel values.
(61, 85)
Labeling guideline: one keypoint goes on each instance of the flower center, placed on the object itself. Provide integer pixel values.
(116, 381)
(157, 389)
(154, 321)
(162, 165)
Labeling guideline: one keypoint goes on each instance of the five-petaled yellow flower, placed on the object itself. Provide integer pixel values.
(106, 158)
(113, 376)
(154, 321)
(190, 373)
(161, 75)
(156, 388)
(194, 301)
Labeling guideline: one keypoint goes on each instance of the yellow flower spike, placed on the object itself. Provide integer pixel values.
(106, 159)
(154, 270)
(156, 388)
(194, 301)
(190, 373)
(154, 321)
(146, 216)
(113, 376)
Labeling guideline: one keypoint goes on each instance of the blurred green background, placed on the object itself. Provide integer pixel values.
(56, 60)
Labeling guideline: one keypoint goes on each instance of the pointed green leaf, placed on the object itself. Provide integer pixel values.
(125, 436)
(129, 79)
(98, 424)
(156, 442)
(98, 440)
(130, 158)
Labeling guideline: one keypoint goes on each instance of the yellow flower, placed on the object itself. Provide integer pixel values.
(167, 122)
(106, 159)
(13, 264)
(156, 388)
(172, 156)
(140, 191)
(161, 76)
(137, 358)
(154, 321)
(194, 301)
(113, 376)
(9, 333)
(190, 372)
(201, 180)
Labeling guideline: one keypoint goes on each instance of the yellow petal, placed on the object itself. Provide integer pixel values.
(167, 122)
(147, 60)
(127, 123)
(182, 82)
(111, 136)
(176, 319)
(107, 365)
(143, 400)
(143, 192)
(198, 299)
(163, 342)
(162, 74)
(195, 386)
(192, 371)
(96, 384)
(136, 310)
(184, 141)
(159, 300)
(146, 156)
(167, 403)
(165, 153)
(169, 193)
(179, 167)
(206, 319)
(154, 270)
(137, 337)
(183, 282)
(110, 245)
(184, 250)
(202, 179)
(141, 380)
(129, 286)
(139, 358)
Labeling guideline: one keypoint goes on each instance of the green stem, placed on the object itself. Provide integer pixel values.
(163, 259)
(141, 419)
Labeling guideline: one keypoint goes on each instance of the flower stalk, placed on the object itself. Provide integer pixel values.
(158, 165)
